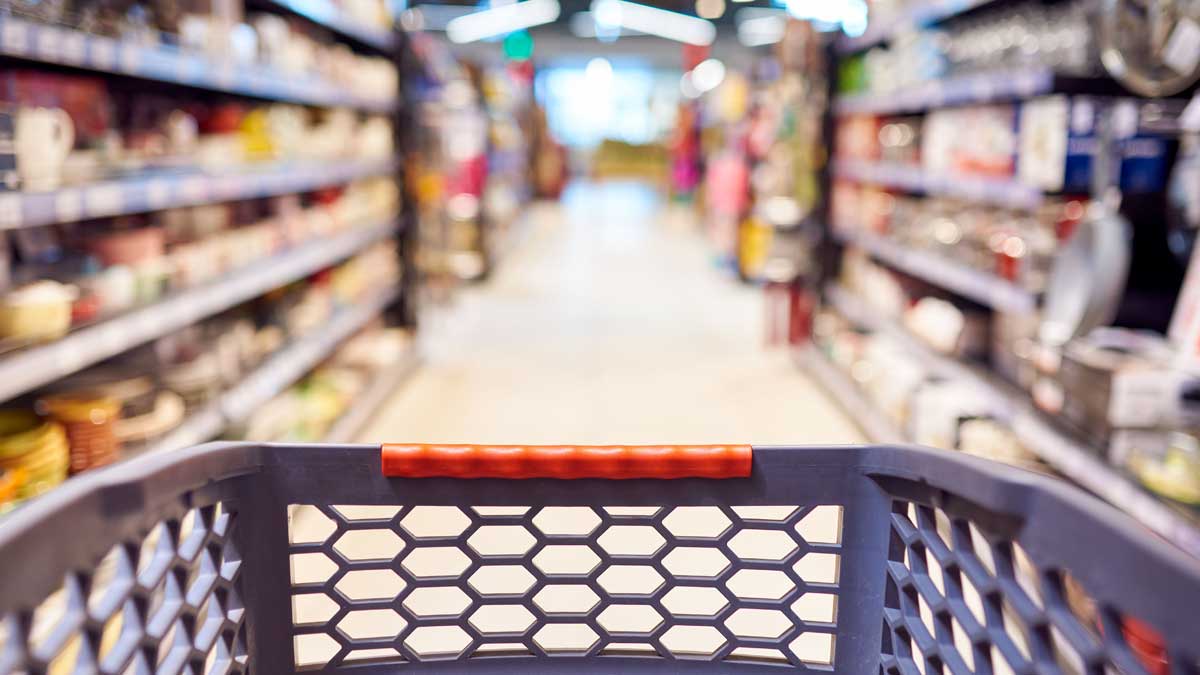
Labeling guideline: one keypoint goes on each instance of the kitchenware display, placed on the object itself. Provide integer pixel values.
(35, 448)
(43, 138)
(1152, 47)
(141, 431)
(89, 419)
(38, 311)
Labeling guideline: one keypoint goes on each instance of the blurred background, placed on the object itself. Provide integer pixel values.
(968, 224)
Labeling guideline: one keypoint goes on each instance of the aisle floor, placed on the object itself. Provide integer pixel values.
(607, 322)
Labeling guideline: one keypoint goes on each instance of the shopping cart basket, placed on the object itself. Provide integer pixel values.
(277, 559)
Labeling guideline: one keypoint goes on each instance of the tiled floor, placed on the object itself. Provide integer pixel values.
(607, 323)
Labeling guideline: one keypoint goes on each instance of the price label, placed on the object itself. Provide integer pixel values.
(74, 47)
(49, 43)
(194, 189)
(158, 193)
(15, 36)
(104, 200)
(131, 58)
(68, 205)
(11, 214)
(104, 53)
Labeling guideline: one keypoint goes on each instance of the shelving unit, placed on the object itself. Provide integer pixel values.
(348, 426)
(1071, 457)
(275, 375)
(327, 14)
(982, 287)
(67, 47)
(33, 367)
(924, 13)
(1006, 193)
(164, 189)
(842, 389)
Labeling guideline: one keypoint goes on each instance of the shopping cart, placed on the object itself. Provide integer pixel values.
(277, 559)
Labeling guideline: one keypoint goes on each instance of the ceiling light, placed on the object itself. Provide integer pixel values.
(501, 20)
(761, 30)
(654, 21)
(708, 74)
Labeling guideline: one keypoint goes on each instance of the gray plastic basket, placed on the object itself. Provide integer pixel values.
(847, 559)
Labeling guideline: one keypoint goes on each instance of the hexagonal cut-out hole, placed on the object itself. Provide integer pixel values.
(378, 655)
(813, 648)
(694, 601)
(500, 511)
(639, 540)
(370, 585)
(437, 642)
(566, 599)
(312, 608)
(818, 568)
(632, 511)
(501, 580)
(369, 545)
(501, 540)
(822, 525)
(759, 584)
(770, 624)
(562, 521)
(816, 607)
(432, 601)
(693, 640)
(696, 561)
(757, 655)
(637, 619)
(762, 545)
(565, 637)
(438, 562)
(371, 624)
(356, 512)
(502, 619)
(307, 525)
(630, 580)
(425, 522)
(574, 559)
(314, 649)
(311, 568)
(774, 514)
(697, 522)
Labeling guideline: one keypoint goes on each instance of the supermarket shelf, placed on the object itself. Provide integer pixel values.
(177, 188)
(1072, 458)
(846, 394)
(57, 45)
(327, 14)
(998, 85)
(37, 366)
(923, 14)
(348, 426)
(982, 287)
(300, 357)
(1007, 193)
(296, 358)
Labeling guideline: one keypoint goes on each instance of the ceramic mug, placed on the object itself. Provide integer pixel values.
(44, 138)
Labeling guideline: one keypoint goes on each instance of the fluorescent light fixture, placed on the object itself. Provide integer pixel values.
(654, 21)
(687, 87)
(501, 20)
(708, 75)
(851, 15)
(433, 17)
(756, 28)
(583, 24)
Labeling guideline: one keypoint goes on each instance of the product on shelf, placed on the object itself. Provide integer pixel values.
(35, 451)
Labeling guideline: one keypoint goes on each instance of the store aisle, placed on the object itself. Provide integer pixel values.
(607, 323)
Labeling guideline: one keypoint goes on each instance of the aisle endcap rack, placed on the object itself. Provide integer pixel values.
(62, 46)
(1067, 455)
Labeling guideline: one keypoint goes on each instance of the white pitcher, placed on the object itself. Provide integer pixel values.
(44, 137)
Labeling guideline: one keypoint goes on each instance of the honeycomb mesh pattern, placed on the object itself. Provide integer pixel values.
(961, 600)
(389, 584)
(166, 602)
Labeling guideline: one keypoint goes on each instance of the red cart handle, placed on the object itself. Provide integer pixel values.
(570, 461)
